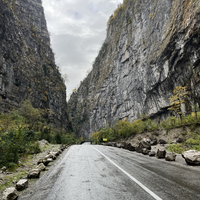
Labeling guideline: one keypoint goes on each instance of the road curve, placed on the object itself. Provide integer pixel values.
(89, 172)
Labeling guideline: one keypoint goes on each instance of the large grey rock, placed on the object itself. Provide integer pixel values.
(161, 141)
(141, 146)
(161, 153)
(22, 184)
(50, 155)
(34, 173)
(41, 167)
(170, 156)
(130, 147)
(10, 194)
(192, 157)
(154, 142)
(152, 153)
(145, 151)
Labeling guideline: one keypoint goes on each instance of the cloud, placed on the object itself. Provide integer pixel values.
(77, 30)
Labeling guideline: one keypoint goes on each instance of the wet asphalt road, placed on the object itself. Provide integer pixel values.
(106, 173)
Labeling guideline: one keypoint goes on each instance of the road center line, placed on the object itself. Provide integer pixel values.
(131, 177)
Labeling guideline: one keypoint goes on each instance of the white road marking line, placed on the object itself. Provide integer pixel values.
(131, 177)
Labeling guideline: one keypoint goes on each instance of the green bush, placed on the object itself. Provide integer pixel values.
(176, 148)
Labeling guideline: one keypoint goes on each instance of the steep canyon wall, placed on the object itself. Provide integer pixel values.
(27, 65)
(151, 47)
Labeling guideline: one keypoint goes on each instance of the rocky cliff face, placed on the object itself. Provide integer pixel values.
(27, 66)
(151, 47)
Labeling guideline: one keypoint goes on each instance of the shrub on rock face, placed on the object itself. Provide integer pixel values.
(192, 157)
(170, 156)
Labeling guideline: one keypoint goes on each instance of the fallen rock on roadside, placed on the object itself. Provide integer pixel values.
(145, 151)
(22, 184)
(130, 147)
(170, 156)
(10, 194)
(161, 153)
(41, 167)
(152, 153)
(192, 157)
(34, 173)
(142, 145)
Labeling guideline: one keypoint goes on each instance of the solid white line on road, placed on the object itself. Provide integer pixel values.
(131, 177)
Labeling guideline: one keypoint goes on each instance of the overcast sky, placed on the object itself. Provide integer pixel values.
(77, 30)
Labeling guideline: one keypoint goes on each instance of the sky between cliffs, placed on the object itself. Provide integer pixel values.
(77, 30)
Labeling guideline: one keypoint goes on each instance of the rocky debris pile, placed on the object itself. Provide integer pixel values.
(192, 157)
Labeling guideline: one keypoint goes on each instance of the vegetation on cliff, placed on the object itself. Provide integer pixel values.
(125, 129)
(21, 129)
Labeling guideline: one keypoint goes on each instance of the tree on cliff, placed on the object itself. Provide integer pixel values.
(176, 100)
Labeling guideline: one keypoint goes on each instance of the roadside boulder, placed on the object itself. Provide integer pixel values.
(4, 169)
(180, 140)
(154, 141)
(126, 145)
(170, 156)
(192, 157)
(142, 145)
(112, 144)
(34, 173)
(47, 161)
(40, 161)
(22, 184)
(51, 155)
(161, 153)
(41, 167)
(145, 151)
(10, 194)
(119, 145)
(152, 153)
(130, 147)
(161, 141)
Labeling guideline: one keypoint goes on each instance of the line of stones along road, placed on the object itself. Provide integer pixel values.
(192, 157)
(12, 194)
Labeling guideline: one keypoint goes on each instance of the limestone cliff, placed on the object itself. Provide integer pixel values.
(151, 47)
(27, 66)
